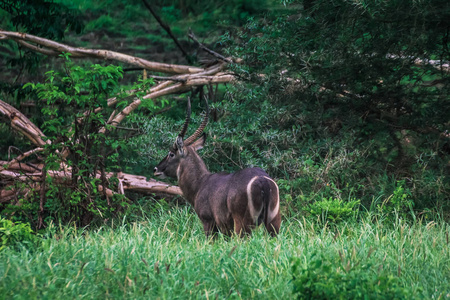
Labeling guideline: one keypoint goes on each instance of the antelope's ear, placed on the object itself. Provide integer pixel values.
(198, 144)
(180, 145)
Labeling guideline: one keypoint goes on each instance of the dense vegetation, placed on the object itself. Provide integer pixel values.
(167, 256)
(345, 103)
(351, 99)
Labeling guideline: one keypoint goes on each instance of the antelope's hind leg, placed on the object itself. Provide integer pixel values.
(210, 228)
(273, 227)
(243, 224)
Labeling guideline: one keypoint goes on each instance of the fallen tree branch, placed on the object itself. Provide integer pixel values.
(161, 78)
(14, 170)
(17, 166)
(22, 124)
(7, 195)
(15, 163)
(213, 70)
(129, 182)
(50, 47)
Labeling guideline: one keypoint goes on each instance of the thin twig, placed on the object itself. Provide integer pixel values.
(203, 47)
(168, 30)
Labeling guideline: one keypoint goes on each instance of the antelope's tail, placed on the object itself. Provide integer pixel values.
(271, 212)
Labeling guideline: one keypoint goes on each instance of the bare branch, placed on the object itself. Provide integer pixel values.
(204, 48)
(22, 156)
(135, 104)
(7, 195)
(48, 52)
(167, 78)
(210, 71)
(176, 88)
(52, 48)
(16, 166)
(22, 124)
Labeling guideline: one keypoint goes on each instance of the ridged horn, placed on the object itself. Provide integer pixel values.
(185, 125)
(200, 129)
(188, 118)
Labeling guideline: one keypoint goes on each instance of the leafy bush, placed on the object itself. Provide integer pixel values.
(14, 234)
(74, 119)
(333, 209)
(334, 277)
(399, 203)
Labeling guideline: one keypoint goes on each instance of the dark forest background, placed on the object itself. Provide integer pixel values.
(346, 104)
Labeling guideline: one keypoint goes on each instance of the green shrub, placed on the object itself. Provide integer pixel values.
(74, 118)
(333, 209)
(399, 203)
(334, 277)
(14, 234)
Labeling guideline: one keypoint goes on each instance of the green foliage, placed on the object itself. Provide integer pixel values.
(211, 12)
(307, 163)
(334, 277)
(347, 102)
(166, 255)
(15, 234)
(74, 114)
(74, 119)
(104, 22)
(333, 210)
(399, 203)
(44, 18)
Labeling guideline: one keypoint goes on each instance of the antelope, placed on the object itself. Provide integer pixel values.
(224, 202)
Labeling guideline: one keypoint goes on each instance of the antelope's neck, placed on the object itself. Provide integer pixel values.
(191, 173)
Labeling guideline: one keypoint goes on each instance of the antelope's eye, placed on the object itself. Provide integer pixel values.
(171, 154)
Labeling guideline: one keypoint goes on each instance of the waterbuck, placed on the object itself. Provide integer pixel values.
(239, 201)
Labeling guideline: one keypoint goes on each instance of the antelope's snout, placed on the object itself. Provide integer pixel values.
(156, 172)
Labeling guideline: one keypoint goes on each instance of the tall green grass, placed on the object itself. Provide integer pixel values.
(166, 256)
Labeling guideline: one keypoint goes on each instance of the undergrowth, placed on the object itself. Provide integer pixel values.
(165, 255)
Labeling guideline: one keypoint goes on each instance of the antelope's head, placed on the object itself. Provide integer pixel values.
(181, 149)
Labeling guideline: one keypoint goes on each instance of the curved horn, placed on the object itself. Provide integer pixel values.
(199, 130)
(185, 125)
(188, 118)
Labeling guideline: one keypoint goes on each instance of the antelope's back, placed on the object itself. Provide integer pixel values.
(230, 191)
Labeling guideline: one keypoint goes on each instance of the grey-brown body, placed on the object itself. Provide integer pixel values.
(227, 202)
